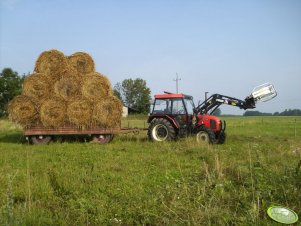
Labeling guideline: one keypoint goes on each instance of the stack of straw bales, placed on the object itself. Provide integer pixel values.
(66, 91)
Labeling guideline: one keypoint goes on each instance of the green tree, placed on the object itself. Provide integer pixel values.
(291, 112)
(134, 93)
(10, 86)
(117, 92)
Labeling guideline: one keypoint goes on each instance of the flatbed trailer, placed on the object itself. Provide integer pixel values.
(43, 135)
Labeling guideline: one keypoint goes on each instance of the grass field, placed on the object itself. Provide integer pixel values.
(132, 181)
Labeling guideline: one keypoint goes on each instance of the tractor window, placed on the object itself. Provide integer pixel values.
(189, 106)
(162, 106)
(178, 107)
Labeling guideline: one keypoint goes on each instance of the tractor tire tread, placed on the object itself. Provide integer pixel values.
(166, 123)
(221, 138)
(210, 133)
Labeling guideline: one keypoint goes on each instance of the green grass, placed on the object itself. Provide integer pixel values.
(132, 181)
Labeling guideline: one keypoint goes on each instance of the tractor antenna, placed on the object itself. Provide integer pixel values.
(177, 81)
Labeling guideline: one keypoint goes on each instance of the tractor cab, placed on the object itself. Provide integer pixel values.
(175, 111)
(172, 104)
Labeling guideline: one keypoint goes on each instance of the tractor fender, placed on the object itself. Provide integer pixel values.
(174, 122)
(170, 119)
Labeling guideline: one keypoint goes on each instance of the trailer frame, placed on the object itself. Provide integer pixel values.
(39, 134)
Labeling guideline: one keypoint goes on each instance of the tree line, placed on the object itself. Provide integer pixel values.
(286, 112)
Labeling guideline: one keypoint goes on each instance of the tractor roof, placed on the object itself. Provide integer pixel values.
(172, 95)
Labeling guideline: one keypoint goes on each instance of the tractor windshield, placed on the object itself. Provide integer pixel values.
(174, 106)
(189, 105)
(162, 106)
(178, 107)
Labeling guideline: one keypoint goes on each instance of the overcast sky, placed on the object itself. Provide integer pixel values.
(225, 47)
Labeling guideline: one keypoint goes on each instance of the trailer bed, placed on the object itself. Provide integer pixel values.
(69, 130)
(42, 135)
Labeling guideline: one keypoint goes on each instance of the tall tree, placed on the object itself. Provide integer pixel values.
(10, 86)
(134, 94)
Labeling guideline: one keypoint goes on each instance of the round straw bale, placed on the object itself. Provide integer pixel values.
(53, 112)
(107, 112)
(21, 109)
(95, 86)
(82, 62)
(79, 112)
(37, 86)
(67, 87)
(52, 63)
(69, 71)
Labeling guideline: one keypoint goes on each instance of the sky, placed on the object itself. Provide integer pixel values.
(226, 47)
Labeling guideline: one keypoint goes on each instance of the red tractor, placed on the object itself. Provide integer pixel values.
(175, 115)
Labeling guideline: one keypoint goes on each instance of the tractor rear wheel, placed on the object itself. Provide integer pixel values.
(161, 129)
(205, 136)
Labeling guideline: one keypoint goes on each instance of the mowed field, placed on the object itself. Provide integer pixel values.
(132, 181)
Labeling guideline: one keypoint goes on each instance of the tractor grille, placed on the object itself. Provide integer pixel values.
(212, 124)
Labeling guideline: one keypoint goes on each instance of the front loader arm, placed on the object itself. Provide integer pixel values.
(216, 100)
(264, 92)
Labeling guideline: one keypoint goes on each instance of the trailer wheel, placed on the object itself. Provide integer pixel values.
(102, 138)
(205, 136)
(40, 139)
(160, 130)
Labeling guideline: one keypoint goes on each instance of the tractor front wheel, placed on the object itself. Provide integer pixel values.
(205, 136)
(221, 137)
(160, 130)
